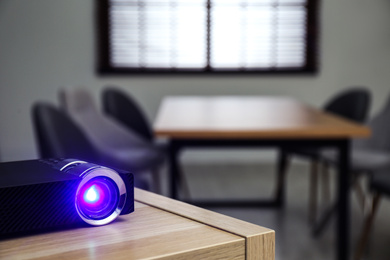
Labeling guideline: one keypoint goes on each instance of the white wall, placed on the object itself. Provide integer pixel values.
(45, 44)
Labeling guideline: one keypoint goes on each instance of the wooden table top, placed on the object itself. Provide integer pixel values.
(249, 117)
(160, 228)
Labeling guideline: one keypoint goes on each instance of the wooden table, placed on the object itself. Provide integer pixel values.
(160, 228)
(252, 121)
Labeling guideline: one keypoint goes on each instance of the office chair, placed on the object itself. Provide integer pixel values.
(118, 145)
(57, 136)
(379, 186)
(124, 109)
(368, 156)
(352, 104)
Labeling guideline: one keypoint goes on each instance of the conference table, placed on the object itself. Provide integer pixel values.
(259, 121)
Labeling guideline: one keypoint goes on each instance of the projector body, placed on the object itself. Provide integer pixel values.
(45, 194)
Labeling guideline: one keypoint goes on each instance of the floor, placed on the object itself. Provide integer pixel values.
(293, 234)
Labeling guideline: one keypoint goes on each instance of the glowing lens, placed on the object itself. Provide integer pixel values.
(91, 195)
(99, 198)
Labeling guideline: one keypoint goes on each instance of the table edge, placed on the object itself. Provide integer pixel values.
(260, 241)
(264, 135)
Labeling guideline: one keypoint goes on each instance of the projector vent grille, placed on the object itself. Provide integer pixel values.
(37, 206)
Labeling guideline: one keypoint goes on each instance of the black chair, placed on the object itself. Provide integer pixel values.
(368, 156)
(119, 146)
(379, 186)
(352, 104)
(126, 110)
(58, 136)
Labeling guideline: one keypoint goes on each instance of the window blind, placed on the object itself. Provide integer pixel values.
(208, 35)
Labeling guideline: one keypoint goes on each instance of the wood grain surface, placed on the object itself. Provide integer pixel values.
(260, 241)
(248, 117)
(151, 232)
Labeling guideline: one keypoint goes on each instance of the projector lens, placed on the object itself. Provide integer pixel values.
(100, 196)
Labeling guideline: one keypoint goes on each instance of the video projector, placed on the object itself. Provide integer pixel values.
(44, 194)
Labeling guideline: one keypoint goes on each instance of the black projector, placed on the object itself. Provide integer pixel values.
(45, 194)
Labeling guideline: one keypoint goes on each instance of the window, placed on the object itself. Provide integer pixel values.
(200, 36)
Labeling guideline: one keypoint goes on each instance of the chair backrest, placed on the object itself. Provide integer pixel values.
(380, 131)
(104, 133)
(125, 109)
(352, 104)
(58, 136)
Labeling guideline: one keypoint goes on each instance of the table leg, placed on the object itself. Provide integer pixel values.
(342, 227)
(281, 177)
(342, 204)
(173, 168)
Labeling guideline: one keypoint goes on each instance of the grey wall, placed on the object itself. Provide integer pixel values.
(45, 44)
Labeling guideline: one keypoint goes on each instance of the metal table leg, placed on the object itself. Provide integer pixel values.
(173, 168)
(342, 227)
(343, 204)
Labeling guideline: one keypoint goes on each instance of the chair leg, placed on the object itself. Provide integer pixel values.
(360, 194)
(156, 180)
(313, 187)
(183, 184)
(324, 218)
(325, 176)
(329, 211)
(366, 229)
(283, 163)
